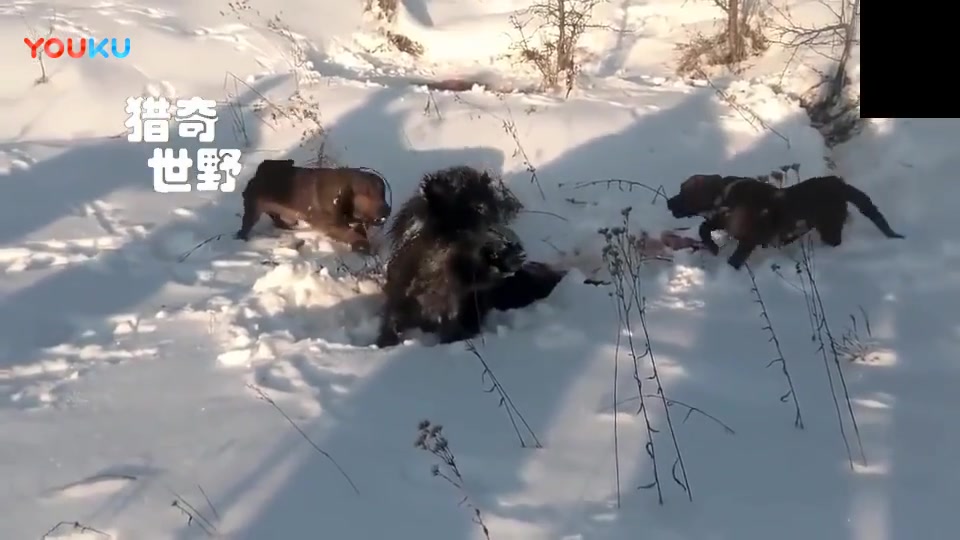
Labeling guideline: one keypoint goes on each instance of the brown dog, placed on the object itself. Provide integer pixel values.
(758, 214)
(340, 202)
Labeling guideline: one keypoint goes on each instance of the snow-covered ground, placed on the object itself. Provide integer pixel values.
(133, 376)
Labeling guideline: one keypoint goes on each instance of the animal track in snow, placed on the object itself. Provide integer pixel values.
(15, 159)
(105, 484)
(44, 382)
(54, 253)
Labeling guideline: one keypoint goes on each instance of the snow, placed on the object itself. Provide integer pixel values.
(136, 371)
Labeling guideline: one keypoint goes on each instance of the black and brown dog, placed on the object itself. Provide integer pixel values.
(340, 202)
(756, 213)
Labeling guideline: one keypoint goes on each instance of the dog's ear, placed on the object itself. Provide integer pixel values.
(701, 181)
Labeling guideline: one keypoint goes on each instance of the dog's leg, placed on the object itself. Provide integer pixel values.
(707, 227)
(345, 234)
(831, 235)
(280, 223)
(741, 254)
(251, 214)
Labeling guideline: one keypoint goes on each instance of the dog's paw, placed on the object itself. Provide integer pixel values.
(387, 339)
(240, 235)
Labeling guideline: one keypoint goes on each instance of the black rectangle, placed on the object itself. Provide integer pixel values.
(913, 76)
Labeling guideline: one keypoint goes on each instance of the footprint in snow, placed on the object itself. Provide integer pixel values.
(108, 482)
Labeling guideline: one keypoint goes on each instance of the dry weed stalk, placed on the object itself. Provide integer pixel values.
(506, 402)
(298, 108)
(852, 346)
(194, 515)
(826, 343)
(296, 57)
(509, 126)
(384, 12)
(34, 36)
(548, 33)
(237, 117)
(791, 393)
(832, 109)
(622, 185)
(372, 268)
(430, 438)
(624, 260)
(741, 36)
(748, 115)
(267, 399)
(77, 527)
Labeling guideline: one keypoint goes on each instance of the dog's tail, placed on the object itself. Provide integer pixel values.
(268, 168)
(866, 207)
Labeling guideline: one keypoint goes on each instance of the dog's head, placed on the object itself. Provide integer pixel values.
(698, 195)
(363, 198)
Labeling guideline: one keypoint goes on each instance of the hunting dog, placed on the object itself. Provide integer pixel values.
(454, 259)
(340, 202)
(756, 213)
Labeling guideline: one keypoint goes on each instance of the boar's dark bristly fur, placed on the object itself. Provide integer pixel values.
(454, 258)
(453, 200)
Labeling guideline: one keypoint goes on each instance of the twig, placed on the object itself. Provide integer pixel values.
(545, 213)
(824, 327)
(624, 258)
(616, 402)
(263, 396)
(561, 25)
(678, 464)
(851, 345)
(33, 33)
(210, 504)
(658, 192)
(768, 327)
(505, 401)
(193, 515)
(749, 116)
(77, 526)
(431, 106)
(510, 128)
(818, 314)
(691, 410)
(190, 251)
(616, 255)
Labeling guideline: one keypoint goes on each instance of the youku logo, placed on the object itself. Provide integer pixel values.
(77, 47)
